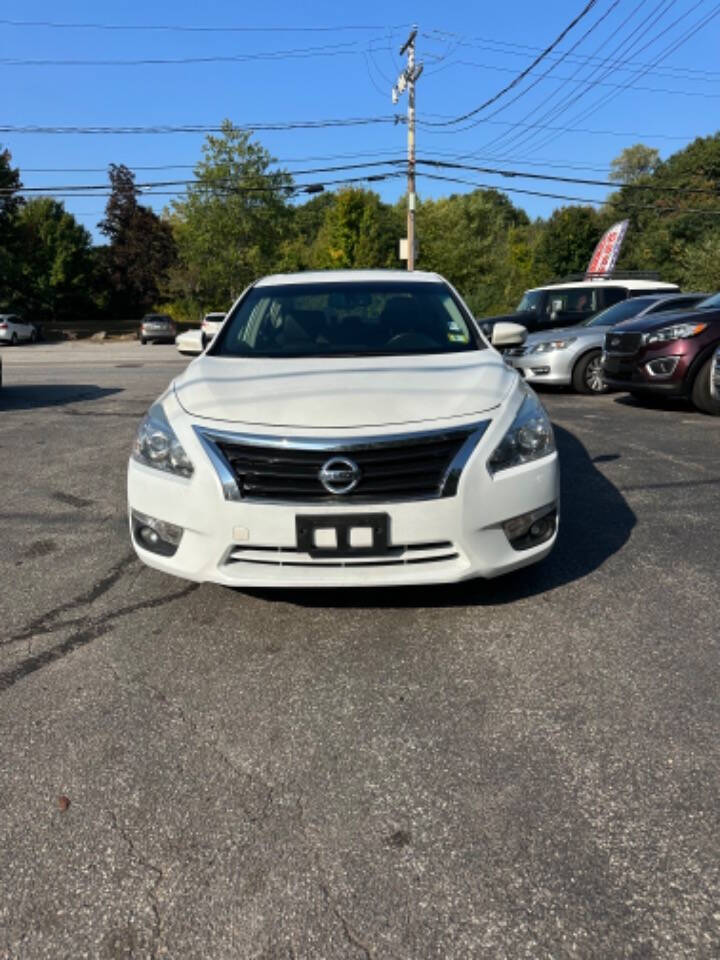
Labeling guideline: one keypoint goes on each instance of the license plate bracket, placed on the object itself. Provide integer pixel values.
(306, 526)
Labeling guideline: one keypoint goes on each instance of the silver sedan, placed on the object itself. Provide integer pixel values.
(571, 356)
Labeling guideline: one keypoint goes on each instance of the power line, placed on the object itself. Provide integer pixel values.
(288, 190)
(507, 48)
(561, 196)
(553, 112)
(196, 128)
(585, 112)
(326, 50)
(495, 171)
(513, 83)
(186, 28)
(5, 191)
(396, 162)
(540, 126)
(615, 86)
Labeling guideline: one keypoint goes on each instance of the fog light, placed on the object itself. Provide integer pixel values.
(531, 529)
(155, 535)
(662, 366)
(540, 371)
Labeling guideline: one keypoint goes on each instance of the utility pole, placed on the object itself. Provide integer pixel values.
(407, 80)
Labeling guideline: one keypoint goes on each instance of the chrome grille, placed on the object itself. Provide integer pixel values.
(397, 467)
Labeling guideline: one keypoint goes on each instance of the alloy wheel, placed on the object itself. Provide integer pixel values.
(594, 376)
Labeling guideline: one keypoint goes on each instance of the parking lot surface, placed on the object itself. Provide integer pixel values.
(520, 768)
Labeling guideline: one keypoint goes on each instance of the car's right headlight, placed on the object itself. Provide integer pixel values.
(157, 446)
(678, 331)
(547, 346)
(529, 437)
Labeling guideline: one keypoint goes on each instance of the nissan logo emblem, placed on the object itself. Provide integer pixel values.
(339, 475)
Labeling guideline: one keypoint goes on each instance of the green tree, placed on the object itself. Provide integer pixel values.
(358, 231)
(465, 238)
(231, 224)
(634, 163)
(141, 250)
(700, 263)
(9, 204)
(56, 265)
(567, 241)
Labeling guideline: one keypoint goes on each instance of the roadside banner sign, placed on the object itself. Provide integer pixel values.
(607, 251)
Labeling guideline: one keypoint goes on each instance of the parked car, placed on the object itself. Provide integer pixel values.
(669, 355)
(346, 428)
(572, 356)
(190, 342)
(575, 299)
(157, 328)
(13, 329)
(211, 324)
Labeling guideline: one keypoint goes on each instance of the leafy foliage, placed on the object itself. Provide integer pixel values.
(141, 249)
(56, 263)
(230, 226)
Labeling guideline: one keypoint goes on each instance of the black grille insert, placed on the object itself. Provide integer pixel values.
(399, 468)
(622, 343)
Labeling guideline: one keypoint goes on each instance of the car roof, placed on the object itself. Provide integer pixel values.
(628, 284)
(350, 276)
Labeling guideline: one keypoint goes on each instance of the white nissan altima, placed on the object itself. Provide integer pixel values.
(347, 428)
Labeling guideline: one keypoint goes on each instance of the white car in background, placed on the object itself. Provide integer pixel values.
(190, 342)
(346, 428)
(13, 330)
(211, 324)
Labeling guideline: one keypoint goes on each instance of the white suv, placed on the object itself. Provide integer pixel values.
(348, 428)
(571, 301)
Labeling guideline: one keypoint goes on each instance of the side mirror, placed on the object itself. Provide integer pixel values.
(506, 334)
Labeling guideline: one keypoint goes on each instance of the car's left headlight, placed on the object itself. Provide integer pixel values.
(678, 331)
(529, 437)
(157, 446)
(548, 345)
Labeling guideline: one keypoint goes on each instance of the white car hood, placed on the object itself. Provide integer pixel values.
(343, 392)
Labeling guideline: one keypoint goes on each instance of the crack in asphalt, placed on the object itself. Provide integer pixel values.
(39, 625)
(202, 736)
(157, 873)
(96, 629)
(350, 935)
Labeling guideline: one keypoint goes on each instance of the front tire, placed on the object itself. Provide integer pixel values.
(700, 394)
(588, 376)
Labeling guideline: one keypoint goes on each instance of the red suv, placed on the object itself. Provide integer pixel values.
(668, 354)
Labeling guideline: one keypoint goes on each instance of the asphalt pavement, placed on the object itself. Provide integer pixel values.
(520, 768)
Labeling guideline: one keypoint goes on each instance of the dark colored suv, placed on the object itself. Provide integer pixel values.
(669, 355)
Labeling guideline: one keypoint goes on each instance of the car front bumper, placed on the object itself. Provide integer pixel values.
(553, 368)
(244, 544)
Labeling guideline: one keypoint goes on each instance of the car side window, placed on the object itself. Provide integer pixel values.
(612, 295)
(679, 304)
(570, 306)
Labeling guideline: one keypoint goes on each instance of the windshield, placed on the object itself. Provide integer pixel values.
(352, 319)
(619, 311)
(712, 303)
(532, 300)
